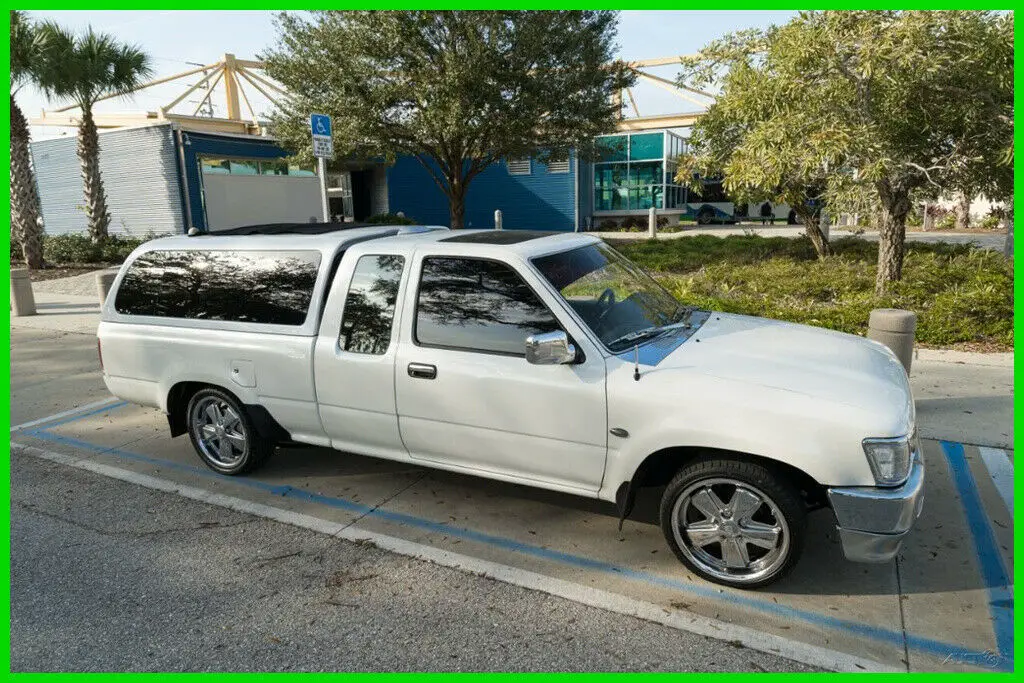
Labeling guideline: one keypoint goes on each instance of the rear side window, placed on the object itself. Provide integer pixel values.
(370, 304)
(269, 287)
(478, 305)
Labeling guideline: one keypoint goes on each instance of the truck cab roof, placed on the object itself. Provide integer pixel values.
(330, 238)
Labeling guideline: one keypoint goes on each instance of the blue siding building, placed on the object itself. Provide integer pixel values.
(530, 194)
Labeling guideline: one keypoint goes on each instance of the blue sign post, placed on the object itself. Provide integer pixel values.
(323, 149)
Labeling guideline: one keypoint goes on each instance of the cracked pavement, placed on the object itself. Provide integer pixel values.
(108, 576)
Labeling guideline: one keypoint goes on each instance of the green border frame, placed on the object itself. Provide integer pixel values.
(5, 655)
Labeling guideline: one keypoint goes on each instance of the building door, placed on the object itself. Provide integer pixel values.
(362, 195)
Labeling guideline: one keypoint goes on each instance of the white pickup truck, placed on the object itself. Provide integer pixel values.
(543, 359)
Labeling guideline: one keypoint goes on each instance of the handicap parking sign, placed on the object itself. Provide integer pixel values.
(323, 143)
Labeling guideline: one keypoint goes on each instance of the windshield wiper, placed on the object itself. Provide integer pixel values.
(651, 331)
(637, 335)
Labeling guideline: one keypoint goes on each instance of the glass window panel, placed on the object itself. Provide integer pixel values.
(610, 190)
(214, 165)
(274, 167)
(296, 169)
(477, 305)
(370, 304)
(613, 148)
(238, 286)
(646, 146)
(645, 185)
(244, 167)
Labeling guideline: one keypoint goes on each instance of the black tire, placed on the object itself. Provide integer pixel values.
(242, 458)
(791, 219)
(705, 216)
(768, 483)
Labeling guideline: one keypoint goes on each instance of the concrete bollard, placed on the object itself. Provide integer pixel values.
(652, 223)
(497, 219)
(894, 328)
(104, 281)
(23, 302)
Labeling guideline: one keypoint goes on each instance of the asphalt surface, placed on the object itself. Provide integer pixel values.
(109, 576)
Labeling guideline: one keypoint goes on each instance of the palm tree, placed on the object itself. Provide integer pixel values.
(84, 69)
(26, 217)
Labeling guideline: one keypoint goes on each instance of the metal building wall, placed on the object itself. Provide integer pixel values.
(538, 201)
(140, 175)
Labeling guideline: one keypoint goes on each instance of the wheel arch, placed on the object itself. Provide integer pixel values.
(658, 468)
(182, 392)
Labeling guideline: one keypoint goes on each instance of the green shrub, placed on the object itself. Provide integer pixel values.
(989, 222)
(75, 248)
(390, 219)
(608, 224)
(960, 294)
(70, 248)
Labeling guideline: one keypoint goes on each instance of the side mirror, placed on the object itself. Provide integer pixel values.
(550, 348)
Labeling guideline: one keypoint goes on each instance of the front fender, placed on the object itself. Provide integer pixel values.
(816, 437)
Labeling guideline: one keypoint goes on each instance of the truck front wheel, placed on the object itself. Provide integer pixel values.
(734, 522)
(222, 433)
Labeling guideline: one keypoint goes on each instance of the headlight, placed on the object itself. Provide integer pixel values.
(890, 458)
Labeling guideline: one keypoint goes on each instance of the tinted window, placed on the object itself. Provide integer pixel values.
(477, 305)
(370, 304)
(239, 286)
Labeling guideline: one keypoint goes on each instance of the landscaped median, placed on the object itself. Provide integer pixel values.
(963, 296)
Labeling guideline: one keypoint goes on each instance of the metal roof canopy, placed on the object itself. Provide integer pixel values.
(695, 97)
(235, 75)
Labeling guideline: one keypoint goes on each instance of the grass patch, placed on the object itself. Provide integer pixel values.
(962, 295)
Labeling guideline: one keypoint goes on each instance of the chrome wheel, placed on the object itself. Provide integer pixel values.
(219, 432)
(730, 530)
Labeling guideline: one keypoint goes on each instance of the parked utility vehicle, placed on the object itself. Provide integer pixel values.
(543, 359)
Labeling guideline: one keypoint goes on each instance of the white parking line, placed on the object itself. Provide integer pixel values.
(1001, 470)
(50, 418)
(612, 602)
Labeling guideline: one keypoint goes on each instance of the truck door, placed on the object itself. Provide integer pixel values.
(468, 398)
(355, 355)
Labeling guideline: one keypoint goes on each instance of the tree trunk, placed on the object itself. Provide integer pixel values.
(92, 183)
(26, 217)
(456, 203)
(812, 223)
(1008, 245)
(962, 211)
(892, 234)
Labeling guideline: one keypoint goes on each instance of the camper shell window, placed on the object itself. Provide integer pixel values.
(268, 287)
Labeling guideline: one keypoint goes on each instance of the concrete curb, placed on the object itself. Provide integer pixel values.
(1001, 360)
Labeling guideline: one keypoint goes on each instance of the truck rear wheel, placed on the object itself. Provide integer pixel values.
(734, 522)
(223, 434)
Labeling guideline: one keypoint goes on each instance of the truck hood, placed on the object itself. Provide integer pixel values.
(823, 364)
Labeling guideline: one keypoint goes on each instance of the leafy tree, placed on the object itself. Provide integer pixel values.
(84, 69)
(26, 218)
(889, 102)
(457, 90)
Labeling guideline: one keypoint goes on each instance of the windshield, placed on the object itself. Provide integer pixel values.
(620, 303)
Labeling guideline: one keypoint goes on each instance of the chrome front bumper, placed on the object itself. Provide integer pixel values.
(872, 521)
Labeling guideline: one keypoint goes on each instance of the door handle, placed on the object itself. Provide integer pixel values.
(422, 371)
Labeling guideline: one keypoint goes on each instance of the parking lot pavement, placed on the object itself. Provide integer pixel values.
(110, 576)
(946, 604)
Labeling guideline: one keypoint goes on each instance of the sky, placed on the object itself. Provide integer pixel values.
(174, 38)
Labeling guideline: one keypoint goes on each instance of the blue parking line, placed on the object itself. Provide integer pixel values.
(79, 416)
(972, 504)
(990, 561)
